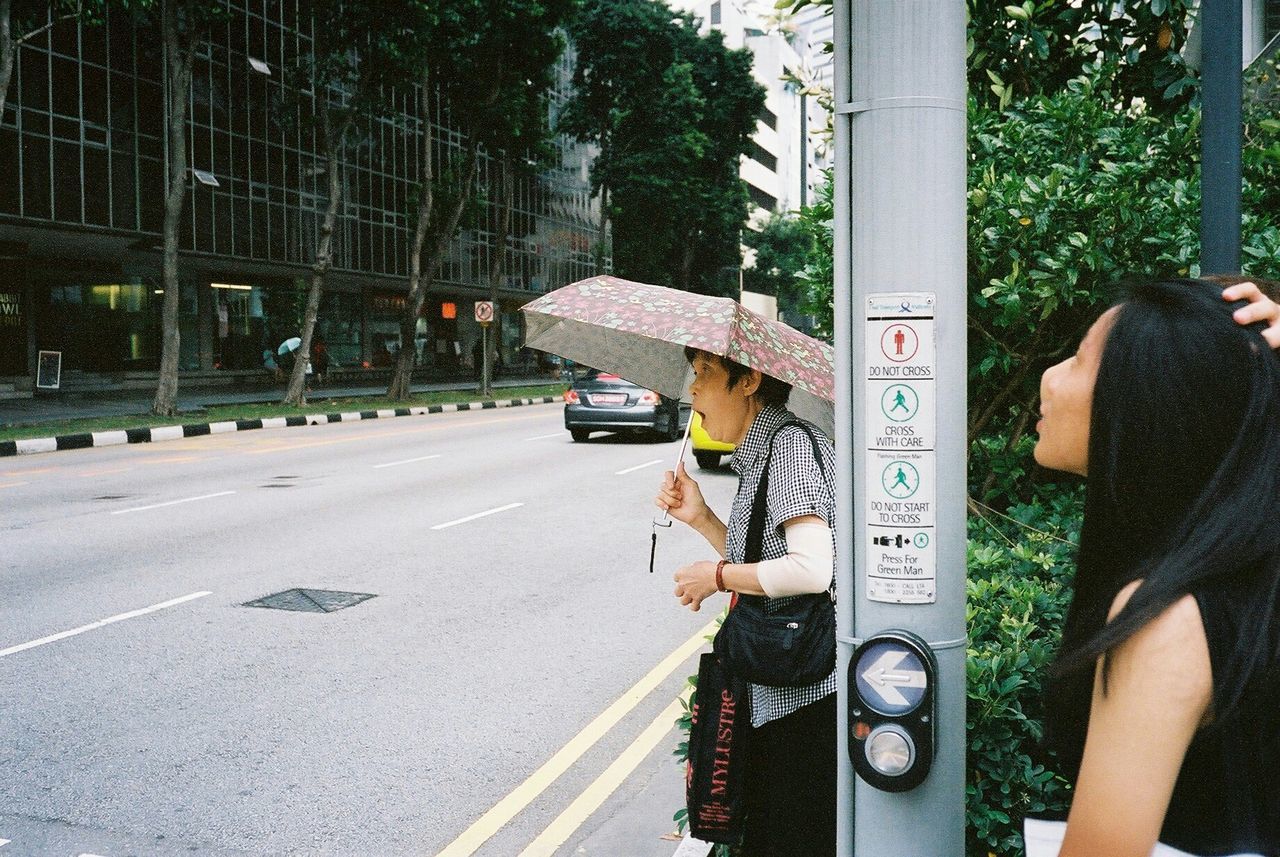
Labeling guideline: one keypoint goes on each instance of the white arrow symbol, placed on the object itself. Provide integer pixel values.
(886, 682)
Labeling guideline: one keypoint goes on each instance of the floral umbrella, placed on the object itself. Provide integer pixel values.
(639, 332)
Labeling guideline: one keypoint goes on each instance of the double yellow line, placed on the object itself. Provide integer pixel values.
(595, 794)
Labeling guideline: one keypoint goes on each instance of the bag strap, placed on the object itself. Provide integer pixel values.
(759, 506)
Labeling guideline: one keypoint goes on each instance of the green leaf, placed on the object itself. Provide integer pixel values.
(1018, 13)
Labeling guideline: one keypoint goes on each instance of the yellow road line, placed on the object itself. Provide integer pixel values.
(11, 484)
(525, 793)
(606, 784)
(107, 472)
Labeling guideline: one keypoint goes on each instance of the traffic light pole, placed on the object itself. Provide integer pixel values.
(1221, 94)
(900, 327)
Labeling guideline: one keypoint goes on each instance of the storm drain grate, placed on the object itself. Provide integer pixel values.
(311, 600)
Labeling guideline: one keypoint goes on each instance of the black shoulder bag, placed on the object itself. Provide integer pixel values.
(795, 644)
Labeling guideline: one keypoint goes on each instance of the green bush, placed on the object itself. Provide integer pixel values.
(1020, 564)
(1069, 194)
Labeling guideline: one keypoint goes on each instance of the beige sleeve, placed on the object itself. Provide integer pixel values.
(807, 567)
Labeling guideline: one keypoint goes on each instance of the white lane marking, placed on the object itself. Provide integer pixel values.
(172, 503)
(448, 524)
(406, 461)
(555, 834)
(638, 467)
(92, 626)
(524, 794)
(545, 436)
(4, 842)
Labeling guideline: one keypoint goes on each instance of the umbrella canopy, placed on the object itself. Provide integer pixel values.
(639, 332)
(293, 343)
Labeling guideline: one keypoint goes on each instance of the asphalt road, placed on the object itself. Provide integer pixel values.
(512, 612)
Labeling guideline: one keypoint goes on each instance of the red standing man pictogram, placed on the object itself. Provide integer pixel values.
(898, 339)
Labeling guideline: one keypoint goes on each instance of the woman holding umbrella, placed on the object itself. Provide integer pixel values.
(791, 783)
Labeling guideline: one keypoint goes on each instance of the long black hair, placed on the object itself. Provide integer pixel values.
(1183, 489)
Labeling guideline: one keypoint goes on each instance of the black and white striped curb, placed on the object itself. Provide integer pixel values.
(84, 440)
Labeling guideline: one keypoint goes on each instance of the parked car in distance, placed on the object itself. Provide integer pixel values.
(706, 451)
(600, 401)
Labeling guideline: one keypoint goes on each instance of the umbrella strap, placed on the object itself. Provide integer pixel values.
(653, 546)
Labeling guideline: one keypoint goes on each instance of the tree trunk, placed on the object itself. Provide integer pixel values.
(604, 207)
(297, 391)
(497, 257)
(399, 388)
(179, 48)
(686, 265)
(420, 278)
(7, 50)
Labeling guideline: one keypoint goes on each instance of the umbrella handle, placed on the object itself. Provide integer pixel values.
(664, 519)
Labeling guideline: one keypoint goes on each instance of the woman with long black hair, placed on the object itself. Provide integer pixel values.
(1164, 706)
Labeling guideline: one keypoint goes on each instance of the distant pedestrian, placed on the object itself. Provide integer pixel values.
(320, 359)
(1164, 706)
(791, 749)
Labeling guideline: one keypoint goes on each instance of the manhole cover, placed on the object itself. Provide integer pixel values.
(311, 600)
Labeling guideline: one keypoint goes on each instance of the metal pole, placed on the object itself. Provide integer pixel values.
(1221, 95)
(900, 230)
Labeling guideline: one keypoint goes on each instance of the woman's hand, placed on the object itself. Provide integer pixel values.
(681, 497)
(695, 583)
(1260, 308)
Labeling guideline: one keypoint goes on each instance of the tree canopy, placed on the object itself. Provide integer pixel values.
(672, 112)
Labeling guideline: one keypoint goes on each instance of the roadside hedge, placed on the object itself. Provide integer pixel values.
(1069, 194)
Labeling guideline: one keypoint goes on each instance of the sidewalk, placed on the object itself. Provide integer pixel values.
(65, 406)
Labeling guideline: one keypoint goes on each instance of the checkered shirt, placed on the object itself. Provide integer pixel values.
(796, 487)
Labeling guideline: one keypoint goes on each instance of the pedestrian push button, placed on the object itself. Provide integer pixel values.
(892, 710)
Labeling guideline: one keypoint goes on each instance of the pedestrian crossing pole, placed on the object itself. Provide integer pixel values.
(900, 329)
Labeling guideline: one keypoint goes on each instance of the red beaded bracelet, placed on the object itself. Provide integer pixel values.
(720, 575)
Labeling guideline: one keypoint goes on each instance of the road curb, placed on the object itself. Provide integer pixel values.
(117, 437)
(690, 847)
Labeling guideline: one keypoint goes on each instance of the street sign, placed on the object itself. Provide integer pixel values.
(484, 312)
(901, 458)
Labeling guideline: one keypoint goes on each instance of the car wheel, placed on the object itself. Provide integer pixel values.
(579, 435)
(707, 460)
(673, 427)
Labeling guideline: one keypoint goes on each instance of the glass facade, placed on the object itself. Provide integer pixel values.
(82, 148)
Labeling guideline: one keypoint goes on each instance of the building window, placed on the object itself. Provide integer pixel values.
(768, 117)
(767, 201)
(762, 157)
(715, 13)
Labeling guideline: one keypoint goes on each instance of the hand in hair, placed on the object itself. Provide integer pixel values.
(1260, 308)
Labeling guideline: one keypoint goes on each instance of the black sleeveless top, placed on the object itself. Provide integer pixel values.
(1226, 800)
